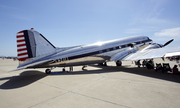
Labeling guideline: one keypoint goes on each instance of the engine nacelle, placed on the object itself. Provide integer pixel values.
(152, 46)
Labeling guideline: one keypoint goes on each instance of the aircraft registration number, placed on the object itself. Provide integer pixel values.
(61, 60)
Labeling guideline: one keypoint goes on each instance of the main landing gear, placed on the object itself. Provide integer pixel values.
(48, 71)
(118, 63)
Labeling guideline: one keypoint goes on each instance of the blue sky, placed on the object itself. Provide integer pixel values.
(78, 22)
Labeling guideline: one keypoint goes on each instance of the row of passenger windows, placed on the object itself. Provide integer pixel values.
(119, 47)
(111, 49)
(105, 50)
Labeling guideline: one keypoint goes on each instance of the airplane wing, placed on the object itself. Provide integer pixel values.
(154, 53)
(122, 54)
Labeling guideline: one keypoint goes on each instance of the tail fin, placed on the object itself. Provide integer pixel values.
(32, 44)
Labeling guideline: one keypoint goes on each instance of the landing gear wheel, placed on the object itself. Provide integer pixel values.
(118, 63)
(105, 64)
(48, 71)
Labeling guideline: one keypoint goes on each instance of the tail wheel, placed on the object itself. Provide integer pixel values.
(48, 71)
(84, 67)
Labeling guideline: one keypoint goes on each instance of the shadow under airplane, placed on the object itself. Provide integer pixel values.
(24, 79)
(143, 72)
(28, 77)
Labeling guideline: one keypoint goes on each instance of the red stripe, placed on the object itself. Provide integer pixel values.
(20, 32)
(23, 40)
(22, 59)
(20, 36)
(21, 45)
(22, 54)
(23, 49)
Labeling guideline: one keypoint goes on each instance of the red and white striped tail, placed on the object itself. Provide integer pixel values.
(21, 47)
(31, 45)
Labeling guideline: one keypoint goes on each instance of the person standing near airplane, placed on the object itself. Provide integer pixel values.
(175, 70)
(70, 68)
(138, 63)
(144, 63)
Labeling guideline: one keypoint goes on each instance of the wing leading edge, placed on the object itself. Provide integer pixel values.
(154, 53)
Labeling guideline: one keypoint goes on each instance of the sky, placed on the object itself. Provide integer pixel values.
(78, 22)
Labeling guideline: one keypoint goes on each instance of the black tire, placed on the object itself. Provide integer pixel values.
(118, 63)
(105, 64)
(48, 71)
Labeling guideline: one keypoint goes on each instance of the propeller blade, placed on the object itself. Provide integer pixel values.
(168, 42)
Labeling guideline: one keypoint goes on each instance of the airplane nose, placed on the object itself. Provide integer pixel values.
(150, 40)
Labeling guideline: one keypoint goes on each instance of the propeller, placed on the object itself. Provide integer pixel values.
(168, 42)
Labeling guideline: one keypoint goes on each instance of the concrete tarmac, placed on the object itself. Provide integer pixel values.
(95, 87)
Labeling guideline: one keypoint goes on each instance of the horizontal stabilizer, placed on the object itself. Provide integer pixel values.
(30, 64)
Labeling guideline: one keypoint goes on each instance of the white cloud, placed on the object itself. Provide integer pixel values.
(173, 32)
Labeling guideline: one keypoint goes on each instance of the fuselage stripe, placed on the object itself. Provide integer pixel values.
(23, 49)
(20, 32)
(22, 54)
(23, 40)
(20, 36)
(22, 59)
(28, 46)
(21, 45)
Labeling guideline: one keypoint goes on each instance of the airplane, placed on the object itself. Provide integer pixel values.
(35, 51)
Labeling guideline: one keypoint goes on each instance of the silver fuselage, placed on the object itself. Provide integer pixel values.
(90, 54)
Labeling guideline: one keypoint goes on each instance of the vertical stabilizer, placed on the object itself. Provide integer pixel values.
(32, 44)
(22, 52)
